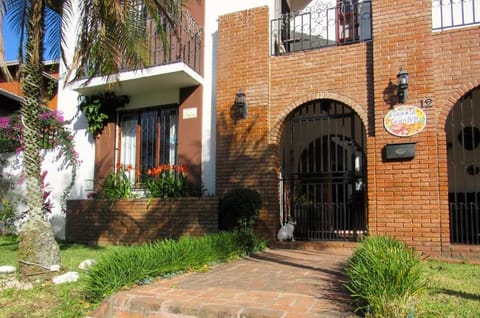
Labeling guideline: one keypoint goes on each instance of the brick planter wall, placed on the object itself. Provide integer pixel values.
(136, 221)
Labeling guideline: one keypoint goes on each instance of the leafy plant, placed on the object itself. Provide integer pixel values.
(239, 208)
(384, 275)
(166, 181)
(117, 185)
(134, 264)
(54, 135)
(97, 109)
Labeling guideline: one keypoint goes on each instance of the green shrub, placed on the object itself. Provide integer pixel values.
(383, 276)
(137, 264)
(117, 185)
(167, 181)
(239, 209)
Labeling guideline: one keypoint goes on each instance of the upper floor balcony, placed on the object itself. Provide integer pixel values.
(447, 14)
(304, 25)
(174, 61)
(307, 24)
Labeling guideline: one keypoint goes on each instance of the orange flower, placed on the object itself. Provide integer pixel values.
(129, 167)
(157, 170)
(149, 172)
(182, 169)
(137, 173)
(119, 165)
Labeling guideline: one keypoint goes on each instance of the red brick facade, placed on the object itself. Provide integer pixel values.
(406, 199)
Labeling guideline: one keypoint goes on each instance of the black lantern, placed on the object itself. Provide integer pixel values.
(402, 77)
(241, 104)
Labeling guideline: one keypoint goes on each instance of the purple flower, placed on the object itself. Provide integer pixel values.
(4, 122)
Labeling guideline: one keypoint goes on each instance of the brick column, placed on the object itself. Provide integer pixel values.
(243, 155)
(404, 196)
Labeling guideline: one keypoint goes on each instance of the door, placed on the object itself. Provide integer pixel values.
(323, 172)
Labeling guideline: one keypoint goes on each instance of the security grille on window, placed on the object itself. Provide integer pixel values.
(148, 139)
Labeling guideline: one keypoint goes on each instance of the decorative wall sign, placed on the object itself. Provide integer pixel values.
(404, 121)
(189, 113)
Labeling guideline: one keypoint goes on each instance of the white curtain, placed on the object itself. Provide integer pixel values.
(173, 139)
(129, 146)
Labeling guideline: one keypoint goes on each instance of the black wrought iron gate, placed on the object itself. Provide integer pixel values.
(323, 172)
(463, 151)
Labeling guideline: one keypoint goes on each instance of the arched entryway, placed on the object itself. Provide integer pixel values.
(463, 153)
(323, 171)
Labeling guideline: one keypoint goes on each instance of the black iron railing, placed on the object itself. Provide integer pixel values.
(320, 25)
(464, 218)
(324, 210)
(168, 46)
(454, 13)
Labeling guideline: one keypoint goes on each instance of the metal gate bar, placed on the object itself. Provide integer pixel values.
(323, 168)
(463, 144)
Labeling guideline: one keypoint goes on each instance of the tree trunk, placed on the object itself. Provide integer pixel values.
(38, 249)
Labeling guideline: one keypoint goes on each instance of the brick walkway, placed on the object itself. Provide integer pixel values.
(276, 283)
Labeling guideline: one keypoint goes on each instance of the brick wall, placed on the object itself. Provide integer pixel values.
(404, 196)
(456, 67)
(138, 220)
(244, 156)
(406, 199)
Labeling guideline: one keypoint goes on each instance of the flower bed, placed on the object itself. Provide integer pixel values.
(139, 220)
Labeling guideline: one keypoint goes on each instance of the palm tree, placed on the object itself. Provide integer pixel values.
(110, 36)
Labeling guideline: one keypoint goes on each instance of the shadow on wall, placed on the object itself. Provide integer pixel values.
(133, 221)
(245, 159)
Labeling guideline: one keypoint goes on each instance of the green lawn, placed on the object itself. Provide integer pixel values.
(454, 289)
(48, 300)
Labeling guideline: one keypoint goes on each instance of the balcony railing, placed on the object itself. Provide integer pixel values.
(167, 46)
(322, 24)
(184, 46)
(448, 14)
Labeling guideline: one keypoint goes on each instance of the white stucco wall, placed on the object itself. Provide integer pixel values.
(68, 101)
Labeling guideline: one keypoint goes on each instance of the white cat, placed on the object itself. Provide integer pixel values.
(286, 231)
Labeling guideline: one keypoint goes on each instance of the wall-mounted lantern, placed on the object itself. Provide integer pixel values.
(402, 93)
(241, 104)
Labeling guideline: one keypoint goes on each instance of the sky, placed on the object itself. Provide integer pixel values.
(11, 42)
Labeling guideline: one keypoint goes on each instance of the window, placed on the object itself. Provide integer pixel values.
(347, 18)
(148, 139)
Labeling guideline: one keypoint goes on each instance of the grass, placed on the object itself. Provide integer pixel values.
(116, 268)
(385, 275)
(453, 289)
(48, 300)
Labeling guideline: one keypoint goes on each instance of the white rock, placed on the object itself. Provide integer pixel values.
(86, 264)
(68, 277)
(7, 269)
(55, 268)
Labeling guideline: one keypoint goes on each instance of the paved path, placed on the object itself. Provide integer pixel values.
(277, 283)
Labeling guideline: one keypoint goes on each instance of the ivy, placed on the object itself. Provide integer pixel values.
(98, 109)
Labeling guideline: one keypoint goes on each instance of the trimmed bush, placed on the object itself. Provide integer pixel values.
(384, 275)
(239, 209)
(143, 263)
